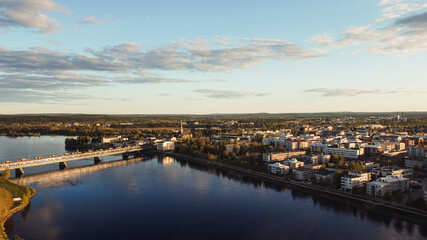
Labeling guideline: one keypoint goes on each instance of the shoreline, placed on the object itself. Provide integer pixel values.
(400, 212)
(14, 210)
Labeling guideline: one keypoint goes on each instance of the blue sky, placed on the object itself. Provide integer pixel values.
(219, 57)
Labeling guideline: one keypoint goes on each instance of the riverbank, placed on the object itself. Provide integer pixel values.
(15, 190)
(375, 205)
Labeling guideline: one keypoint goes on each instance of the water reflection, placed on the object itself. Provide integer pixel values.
(321, 202)
(137, 197)
(69, 176)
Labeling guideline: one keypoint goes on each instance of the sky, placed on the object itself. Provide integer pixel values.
(202, 57)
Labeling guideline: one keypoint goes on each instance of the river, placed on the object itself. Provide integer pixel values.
(166, 198)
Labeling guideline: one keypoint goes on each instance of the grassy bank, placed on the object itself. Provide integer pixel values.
(8, 191)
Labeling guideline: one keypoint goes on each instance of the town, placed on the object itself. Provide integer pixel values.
(381, 157)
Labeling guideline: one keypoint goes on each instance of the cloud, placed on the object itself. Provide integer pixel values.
(322, 40)
(417, 21)
(30, 14)
(227, 94)
(52, 41)
(44, 75)
(92, 20)
(150, 78)
(12, 95)
(388, 2)
(349, 92)
(398, 10)
(404, 37)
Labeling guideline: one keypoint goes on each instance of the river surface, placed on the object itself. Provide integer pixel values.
(166, 198)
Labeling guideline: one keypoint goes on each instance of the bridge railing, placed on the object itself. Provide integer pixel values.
(68, 157)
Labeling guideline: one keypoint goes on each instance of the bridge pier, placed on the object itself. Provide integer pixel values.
(62, 165)
(125, 156)
(97, 160)
(19, 172)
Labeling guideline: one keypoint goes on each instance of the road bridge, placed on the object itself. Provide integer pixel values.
(62, 159)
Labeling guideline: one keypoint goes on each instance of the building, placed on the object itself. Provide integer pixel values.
(324, 174)
(390, 171)
(314, 167)
(109, 140)
(296, 144)
(416, 151)
(278, 168)
(373, 150)
(277, 157)
(311, 159)
(318, 148)
(165, 146)
(387, 184)
(303, 173)
(293, 163)
(408, 142)
(414, 163)
(354, 180)
(369, 166)
(345, 152)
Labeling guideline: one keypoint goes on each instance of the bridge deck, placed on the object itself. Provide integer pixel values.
(66, 158)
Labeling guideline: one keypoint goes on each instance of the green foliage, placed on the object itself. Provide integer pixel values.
(6, 201)
(6, 174)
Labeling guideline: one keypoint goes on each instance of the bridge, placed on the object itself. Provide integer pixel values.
(62, 159)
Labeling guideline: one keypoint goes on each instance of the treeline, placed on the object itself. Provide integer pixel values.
(244, 155)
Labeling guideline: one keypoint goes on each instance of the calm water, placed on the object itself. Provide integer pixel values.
(165, 198)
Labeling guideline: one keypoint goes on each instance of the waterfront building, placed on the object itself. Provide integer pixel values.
(354, 180)
(324, 174)
(293, 163)
(387, 184)
(165, 146)
(278, 168)
(107, 140)
(303, 173)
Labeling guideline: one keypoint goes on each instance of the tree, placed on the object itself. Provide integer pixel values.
(6, 174)
(6, 201)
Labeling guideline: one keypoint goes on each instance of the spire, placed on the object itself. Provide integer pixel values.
(182, 129)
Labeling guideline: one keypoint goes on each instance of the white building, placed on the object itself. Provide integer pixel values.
(354, 180)
(387, 184)
(345, 152)
(165, 146)
(106, 140)
(278, 168)
(294, 163)
(390, 171)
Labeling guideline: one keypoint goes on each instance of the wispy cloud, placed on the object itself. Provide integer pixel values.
(30, 14)
(42, 68)
(349, 92)
(92, 20)
(52, 41)
(227, 94)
